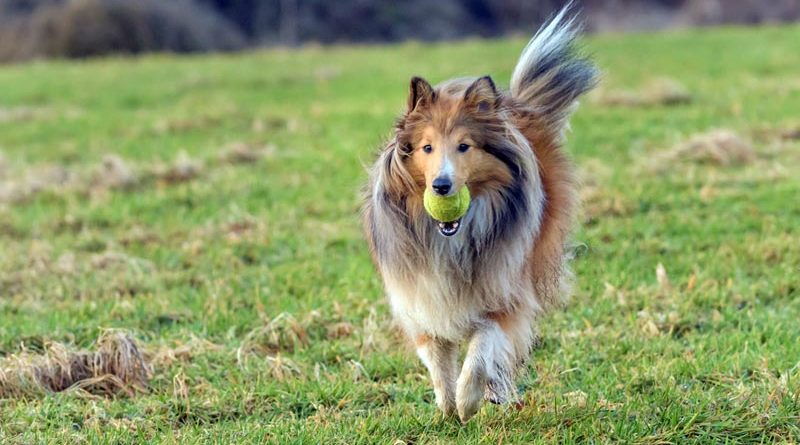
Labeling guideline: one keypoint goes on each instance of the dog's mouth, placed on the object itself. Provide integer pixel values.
(449, 228)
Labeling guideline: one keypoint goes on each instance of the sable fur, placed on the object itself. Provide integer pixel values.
(507, 263)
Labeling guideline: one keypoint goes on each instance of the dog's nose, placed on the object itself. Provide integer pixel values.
(442, 185)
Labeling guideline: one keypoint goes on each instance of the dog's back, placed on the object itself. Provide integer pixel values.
(545, 85)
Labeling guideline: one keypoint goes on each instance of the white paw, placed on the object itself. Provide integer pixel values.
(446, 402)
(469, 393)
(447, 407)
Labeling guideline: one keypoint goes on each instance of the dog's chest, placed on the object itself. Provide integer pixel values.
(433, 305)
(447, 303)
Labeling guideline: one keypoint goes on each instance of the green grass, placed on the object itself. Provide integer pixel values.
(715, 358)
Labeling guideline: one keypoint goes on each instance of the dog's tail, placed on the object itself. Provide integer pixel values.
(551, 73)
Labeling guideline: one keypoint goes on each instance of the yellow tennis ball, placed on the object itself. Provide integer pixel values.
(446, 208)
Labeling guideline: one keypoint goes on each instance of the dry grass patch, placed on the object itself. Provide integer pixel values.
(242, 153)
(29, 272)
(20, 188)
(114, 173)
(114, 366)
(246, 228)
(380, 334)
(183, 168)
(282, 333)
(178, 126)
(778, 134)
(720, 146)
(49, 178)
(111, 260)
(660, 91)
(791, 134)
(287, 334)
(183, 352)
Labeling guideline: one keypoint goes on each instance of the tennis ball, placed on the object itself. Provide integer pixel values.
(446, 208)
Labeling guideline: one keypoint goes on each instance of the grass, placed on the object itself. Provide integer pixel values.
(248, 287)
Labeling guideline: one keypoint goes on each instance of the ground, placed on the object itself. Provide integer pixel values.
(206, 209)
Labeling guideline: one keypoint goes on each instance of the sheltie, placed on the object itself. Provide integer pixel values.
(485, 278)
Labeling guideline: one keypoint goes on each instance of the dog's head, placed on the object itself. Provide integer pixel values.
(453, 136)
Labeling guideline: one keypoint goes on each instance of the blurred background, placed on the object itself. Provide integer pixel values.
(32, 29)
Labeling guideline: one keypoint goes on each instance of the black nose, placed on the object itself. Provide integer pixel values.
(442, 185)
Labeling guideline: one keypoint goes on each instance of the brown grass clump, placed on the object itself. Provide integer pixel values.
(114, 173)
(720, 147)
(19, 188)
(115, 366)
(286, 334)
(110, 260)
(282, 333)
(280, 368)
(241, 153)
(183, 352)
(771, 135)
(380, 334)
(10, 192)
(340, 330)
(48, 178)
(789, 134)
(183, 169)
(660, 91)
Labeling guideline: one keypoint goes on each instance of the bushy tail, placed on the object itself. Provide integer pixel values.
(551, 73)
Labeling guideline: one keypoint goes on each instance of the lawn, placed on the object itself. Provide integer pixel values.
(207, 208)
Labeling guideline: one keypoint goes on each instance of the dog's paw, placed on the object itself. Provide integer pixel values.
(469, 394)
(447, 409)
(447, 405)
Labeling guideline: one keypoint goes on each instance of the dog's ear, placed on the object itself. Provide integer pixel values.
(482, 95)
(420, 94)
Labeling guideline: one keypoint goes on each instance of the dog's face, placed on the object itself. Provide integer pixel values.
(446, 135)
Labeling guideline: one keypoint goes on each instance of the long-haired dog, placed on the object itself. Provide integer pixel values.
(486, 277)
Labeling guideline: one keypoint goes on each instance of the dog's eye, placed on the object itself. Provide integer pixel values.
(463, 147)
(427, 148)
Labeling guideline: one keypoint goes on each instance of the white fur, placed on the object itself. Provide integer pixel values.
(440, 358)
(557, 33)
(489, 363)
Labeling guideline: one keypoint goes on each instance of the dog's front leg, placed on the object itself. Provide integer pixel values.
(440, 356)
(489, 363)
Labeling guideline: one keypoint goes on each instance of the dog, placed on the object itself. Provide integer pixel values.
(485, 278)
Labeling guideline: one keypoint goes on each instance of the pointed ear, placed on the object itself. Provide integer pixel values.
(420, 94)
(482, 94)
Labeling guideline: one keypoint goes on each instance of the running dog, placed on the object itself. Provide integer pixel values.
(485, 278)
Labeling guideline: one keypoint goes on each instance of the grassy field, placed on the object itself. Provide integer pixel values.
(208, 208)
